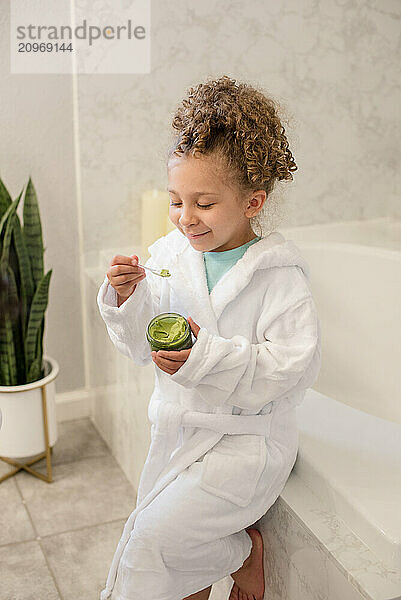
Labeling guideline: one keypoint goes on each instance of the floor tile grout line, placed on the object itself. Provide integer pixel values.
(38, 539)
(50, 535)
(77, 460)
(68, 462)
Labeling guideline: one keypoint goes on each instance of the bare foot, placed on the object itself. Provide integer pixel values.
(249, 580)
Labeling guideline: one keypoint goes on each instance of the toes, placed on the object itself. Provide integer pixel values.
(234, 593)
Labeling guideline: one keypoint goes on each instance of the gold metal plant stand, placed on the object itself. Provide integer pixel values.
(46, 453)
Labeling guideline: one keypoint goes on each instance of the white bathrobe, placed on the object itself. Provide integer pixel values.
(224, 434)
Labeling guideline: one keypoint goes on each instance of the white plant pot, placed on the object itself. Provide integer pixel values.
(21, 416)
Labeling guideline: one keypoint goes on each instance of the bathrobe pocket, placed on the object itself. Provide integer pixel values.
(232, 468)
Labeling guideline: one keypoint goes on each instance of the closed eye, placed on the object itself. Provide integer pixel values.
(200, 205)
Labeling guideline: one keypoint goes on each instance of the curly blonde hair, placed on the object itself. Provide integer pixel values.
(239, 123)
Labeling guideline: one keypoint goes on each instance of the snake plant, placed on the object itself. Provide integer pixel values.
(21, 269)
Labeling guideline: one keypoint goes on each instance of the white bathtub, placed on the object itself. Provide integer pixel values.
(350, 450)
(350, 423)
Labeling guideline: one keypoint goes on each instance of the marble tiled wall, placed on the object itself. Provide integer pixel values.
(331, 65)
(296, 565)
(299, 566)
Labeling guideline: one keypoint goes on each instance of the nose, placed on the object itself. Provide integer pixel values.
(187, 217)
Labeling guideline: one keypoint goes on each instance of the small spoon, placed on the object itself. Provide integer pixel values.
(162, 273)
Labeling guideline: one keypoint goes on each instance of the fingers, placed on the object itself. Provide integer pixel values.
(170, 364)
(120, 259)
(122, 265)
(163, 367)
(166, 363)
(124, 273)
(124, 269)
(123, 280)
(175, 355)
(127, 277)
(169, 371)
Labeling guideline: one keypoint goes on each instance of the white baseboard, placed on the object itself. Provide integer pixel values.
(73, 405)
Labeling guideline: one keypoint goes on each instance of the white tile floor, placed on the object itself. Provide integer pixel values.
(57, 539)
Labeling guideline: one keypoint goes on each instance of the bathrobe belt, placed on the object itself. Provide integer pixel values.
(172, 416)
(228, 424)
(165, 436)
(165, 461)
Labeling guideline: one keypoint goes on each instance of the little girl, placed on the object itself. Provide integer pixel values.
(224, 435)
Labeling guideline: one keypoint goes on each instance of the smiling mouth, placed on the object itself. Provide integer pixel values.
(197, 235)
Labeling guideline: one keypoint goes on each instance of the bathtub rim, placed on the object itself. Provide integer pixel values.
(362, 568)
(369, 565)
(361, 249)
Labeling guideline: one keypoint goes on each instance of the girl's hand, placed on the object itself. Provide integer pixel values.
(170, 361)
(124, 274)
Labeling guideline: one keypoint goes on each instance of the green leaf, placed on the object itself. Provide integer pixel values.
(34, 371)
(12, 208)
(33, 232)
(5, 199)
(7, 340)
(26, 285)
(38, 308)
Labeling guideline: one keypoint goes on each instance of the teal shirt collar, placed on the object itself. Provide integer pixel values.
(230, 255)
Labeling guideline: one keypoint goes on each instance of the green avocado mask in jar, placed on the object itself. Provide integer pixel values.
(169, 331)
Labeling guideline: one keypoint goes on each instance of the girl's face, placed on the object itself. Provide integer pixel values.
(205, 209)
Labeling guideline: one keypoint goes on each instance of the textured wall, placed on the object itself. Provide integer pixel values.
(332, 65)
(36, 117)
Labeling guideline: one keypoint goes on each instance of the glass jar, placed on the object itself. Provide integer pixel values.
(169, 331)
